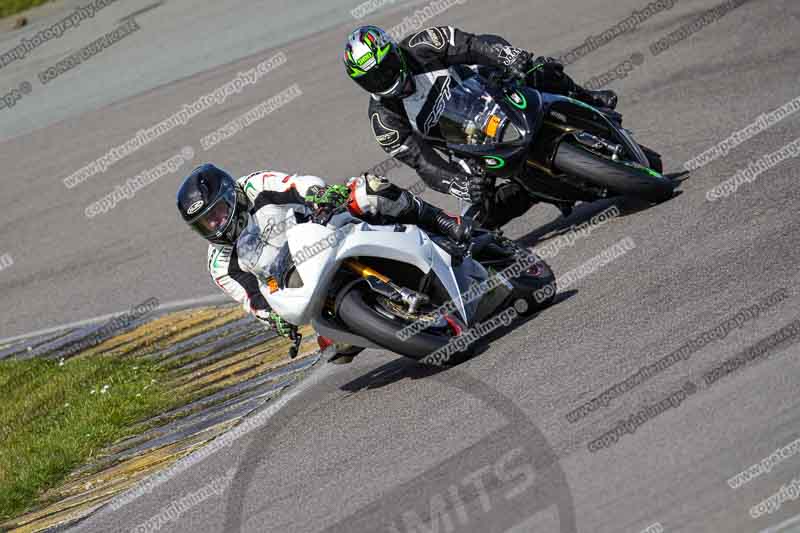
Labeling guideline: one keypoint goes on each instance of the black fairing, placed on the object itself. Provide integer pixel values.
(563, 116)
(540, 121)
(524, 108)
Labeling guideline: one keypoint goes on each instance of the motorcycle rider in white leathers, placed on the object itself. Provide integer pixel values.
(246, 220)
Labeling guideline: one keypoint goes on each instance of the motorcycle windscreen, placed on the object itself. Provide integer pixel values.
(472, 116)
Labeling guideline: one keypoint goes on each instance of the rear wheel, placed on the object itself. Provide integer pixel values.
(625, 179)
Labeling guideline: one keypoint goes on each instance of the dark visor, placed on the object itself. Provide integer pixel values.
(215, 220)
(383, 76)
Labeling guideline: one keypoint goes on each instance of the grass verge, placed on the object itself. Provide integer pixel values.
(12, 7)
(56, 417)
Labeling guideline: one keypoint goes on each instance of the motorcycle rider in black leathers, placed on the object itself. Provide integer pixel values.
(409, 82)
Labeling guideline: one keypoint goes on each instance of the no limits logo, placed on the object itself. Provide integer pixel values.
(508, 478)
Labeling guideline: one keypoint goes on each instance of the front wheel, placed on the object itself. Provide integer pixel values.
(620, 178)
(365, 314)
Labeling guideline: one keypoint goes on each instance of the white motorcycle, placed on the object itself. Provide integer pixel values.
(397, 287)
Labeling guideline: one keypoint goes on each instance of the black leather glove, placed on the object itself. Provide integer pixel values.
(517, 62)
(459, 187)
(478, 184)
(469, 188)
(477, 189)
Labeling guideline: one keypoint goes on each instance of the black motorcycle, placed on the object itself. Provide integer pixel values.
(560, 150)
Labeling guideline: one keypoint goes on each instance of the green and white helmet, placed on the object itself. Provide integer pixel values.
(375, 62)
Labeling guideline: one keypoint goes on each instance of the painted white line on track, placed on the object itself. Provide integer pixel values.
(170, 306)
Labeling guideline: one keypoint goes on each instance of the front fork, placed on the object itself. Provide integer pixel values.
(384, 286)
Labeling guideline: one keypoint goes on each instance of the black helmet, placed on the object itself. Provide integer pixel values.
(375, 62)
(213, 204)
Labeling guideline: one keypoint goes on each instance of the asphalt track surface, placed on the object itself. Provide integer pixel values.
(383, 444)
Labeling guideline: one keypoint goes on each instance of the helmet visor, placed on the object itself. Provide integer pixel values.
(213, 222)
(384, 75)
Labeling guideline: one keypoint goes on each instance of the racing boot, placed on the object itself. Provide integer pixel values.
(548, 75)
(373, 195)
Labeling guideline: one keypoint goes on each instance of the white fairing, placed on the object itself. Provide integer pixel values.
(318, 252)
